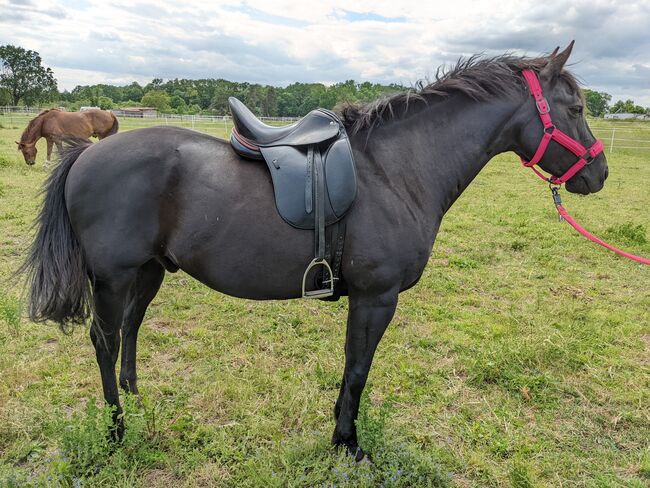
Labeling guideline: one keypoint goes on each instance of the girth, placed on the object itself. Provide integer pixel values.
(314, 183)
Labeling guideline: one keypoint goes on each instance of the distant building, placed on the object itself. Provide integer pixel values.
(142, 112)
(626, 116)
(83, 109)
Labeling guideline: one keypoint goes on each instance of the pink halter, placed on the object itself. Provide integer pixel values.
(585, 156)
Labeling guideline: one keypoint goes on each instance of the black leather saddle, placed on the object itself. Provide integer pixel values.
(313, 174)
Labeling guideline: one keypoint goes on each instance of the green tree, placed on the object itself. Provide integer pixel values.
(132, 92)
(105, 103)
(628, 107)
(158, 99)
(155, 84)
(5, 97)
(597, 102)
(222, 90)
(270, 103)
(178, 104)
(24, 77)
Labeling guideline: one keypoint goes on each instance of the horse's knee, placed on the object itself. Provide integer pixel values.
(355, 380)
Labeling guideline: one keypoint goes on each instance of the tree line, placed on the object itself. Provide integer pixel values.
(24, 80)
(185, 96)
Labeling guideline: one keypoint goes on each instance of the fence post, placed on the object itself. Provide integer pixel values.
(611, 143)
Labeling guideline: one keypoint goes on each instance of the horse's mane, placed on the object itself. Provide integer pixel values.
(478, 77)
(33, 125)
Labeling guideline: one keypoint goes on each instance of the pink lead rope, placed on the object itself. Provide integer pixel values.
(585, 157)
(564, 215)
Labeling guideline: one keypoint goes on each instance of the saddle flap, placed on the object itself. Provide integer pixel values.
(288, 169)
(291, 175)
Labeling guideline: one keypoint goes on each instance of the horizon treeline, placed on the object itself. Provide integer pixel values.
(184, 96)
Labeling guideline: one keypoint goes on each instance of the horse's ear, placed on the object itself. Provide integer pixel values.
(554, 53)
(555, 64)
(20, 144)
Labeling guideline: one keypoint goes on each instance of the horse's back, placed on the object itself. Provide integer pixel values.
(101, 121)
(60, 125)
(141, 160)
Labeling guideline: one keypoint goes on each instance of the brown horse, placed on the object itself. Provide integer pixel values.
(56, 125)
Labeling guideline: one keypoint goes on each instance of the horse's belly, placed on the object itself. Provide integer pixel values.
(247, 259)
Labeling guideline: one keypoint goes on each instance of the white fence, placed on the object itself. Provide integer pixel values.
(622, 136)
(616, 135)
(168, 118)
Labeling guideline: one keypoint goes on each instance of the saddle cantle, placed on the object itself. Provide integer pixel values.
(313, 174)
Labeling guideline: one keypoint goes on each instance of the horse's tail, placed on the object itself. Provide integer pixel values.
(57, 275)
(114, 128)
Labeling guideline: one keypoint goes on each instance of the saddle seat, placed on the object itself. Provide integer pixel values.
(313, 176)
(317, 126)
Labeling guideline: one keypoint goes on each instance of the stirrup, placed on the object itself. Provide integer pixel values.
(323, 292)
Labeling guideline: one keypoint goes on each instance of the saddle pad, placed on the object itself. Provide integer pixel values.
(288, 168)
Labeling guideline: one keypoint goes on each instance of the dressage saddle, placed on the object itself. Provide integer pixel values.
(314, 179)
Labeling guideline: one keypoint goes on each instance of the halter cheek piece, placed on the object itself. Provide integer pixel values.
(585, 156)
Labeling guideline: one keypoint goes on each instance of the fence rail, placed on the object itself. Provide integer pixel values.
(628, 135)
(158, 116)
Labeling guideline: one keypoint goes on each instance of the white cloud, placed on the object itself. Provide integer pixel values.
(117, 41)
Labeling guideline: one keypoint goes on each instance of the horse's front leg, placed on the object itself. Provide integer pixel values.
(368, 317)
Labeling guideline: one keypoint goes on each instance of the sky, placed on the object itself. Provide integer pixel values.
(281, 42)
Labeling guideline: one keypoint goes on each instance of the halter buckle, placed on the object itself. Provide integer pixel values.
(542, 106)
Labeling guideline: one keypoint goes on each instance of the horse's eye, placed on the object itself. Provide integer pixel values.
(576, 110)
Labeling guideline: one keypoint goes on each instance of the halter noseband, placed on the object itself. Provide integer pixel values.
(585, 156)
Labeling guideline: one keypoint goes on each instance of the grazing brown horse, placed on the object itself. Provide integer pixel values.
(56, 125)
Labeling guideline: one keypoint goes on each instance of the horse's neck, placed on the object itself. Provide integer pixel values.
(444, 146)
(33, 131)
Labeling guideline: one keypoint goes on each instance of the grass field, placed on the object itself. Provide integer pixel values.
(521, 359)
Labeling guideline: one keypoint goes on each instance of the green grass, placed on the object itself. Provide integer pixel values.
(521, 359)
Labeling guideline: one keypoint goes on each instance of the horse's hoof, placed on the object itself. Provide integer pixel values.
(116, 432)
(352, 450)
(360, 456)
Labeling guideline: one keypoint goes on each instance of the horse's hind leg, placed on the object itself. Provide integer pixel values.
(50, 143)
(368, 318)
(110, 299)
(143, 290)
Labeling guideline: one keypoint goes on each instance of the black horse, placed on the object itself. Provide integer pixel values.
(118, 213)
